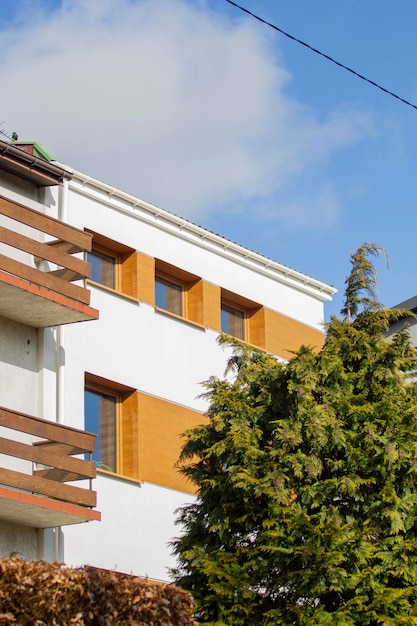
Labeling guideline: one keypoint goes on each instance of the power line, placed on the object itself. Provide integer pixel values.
(326, 56)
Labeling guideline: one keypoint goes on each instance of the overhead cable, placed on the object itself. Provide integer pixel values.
(326, 56)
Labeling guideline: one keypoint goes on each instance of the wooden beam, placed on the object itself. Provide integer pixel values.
(46, 224)
(86, 469)
(67, 275)
(60, 448)
(44, 279)
(44, 252)
(82, 441)
(35, 484)
(64, 246)
(59, 476)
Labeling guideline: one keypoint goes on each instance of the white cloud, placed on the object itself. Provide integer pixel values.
(167, 100)
(301, 210)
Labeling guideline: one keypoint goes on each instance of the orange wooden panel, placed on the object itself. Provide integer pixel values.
(256, 327)
(211, 304)
(195, 302)
(128, 432)
(146, 278)
(161, 424)
(284, 335)
(129, 273)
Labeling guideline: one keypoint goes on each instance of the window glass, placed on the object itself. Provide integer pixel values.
(100, 418)
(233, 321)
(102, 268)
(168, 296)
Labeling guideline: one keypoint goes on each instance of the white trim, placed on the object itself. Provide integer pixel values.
(197, 235)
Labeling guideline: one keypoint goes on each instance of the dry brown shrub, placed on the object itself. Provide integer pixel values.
(36, 593)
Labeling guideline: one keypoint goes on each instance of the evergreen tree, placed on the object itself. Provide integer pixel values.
(306, 475)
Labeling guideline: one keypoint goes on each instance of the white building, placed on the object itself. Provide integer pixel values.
(408, 305)
(164, 289)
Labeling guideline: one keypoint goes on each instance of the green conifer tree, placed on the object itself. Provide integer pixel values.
(307, 479)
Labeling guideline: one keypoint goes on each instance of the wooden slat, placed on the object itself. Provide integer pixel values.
(60, 476)
(60, 448)
(44, 252)
(35, 484)
(81, 440)
(86, 469)
(44, 280)
(64, 246)
(67, 275)
(46, 224)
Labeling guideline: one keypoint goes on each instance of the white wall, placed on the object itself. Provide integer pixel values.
(23, 187)
(136, 528)
(194, 255)
(157, 354)
(18, 366)
(140, 347)
(412, 328)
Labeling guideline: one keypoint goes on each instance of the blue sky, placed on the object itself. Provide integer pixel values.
(195, 107)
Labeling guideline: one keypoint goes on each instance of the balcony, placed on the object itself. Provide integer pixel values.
(45, 453)
(37, 276)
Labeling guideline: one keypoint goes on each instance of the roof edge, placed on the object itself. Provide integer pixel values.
(38, 149)
(50, 173)
(410, 304)
(301, 280)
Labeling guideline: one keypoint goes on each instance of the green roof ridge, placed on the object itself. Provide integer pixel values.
(38, 150)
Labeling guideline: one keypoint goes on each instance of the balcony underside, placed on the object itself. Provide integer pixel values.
(28, 303)
(39, 491)
(41, 282)
(39, 512)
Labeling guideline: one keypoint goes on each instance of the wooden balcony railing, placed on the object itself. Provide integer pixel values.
(53, 446)
(50, 266)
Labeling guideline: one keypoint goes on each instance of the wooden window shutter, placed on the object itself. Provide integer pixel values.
(129, 437)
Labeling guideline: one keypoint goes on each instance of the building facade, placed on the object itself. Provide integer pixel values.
(110, 313)
(409, 320)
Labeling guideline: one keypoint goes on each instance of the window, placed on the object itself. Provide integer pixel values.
(100, 418)
(178, 291)
(233, 320)
(242, 318)
(110, 411)
(169, 295)
(113, 265)
(103, 267)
